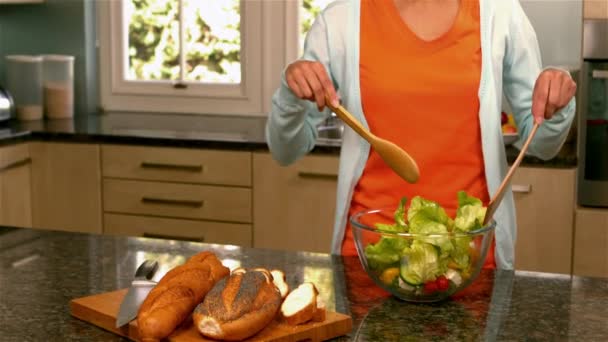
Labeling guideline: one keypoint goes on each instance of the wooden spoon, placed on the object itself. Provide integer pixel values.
(495, 202)
(394, 156)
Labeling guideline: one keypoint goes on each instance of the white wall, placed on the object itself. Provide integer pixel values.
(558, 25)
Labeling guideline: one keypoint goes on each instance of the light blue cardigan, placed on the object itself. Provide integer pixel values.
(510, 59)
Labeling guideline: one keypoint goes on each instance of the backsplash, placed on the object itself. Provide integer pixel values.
(55, 27)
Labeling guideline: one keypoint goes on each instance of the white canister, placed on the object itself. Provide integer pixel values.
(24, 82)
(58, 86)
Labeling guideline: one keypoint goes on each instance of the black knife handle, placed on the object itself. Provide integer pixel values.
(146, 269)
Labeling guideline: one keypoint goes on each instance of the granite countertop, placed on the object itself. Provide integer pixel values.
(40, 271)
(192, 131)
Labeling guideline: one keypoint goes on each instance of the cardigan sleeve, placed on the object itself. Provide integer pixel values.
(291, 129)
(522, 66)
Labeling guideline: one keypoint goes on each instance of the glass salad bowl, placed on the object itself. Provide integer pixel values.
(427, 266)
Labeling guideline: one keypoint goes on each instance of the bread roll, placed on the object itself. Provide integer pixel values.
(176, 294)
(239, 306)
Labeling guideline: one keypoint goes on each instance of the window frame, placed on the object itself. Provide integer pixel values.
(258, 20)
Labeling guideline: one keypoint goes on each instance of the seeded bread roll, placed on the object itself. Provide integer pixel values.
(239, 306)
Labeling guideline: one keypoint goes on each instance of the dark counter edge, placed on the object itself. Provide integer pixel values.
(567, 157)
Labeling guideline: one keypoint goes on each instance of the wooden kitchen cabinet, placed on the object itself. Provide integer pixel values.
(294, 206)
(544, 201)
(66, 186)
(179, 165)
(595, 9)
(591, 243)
(15, 187)
(193, 201)
(178, 193)
(174, 229)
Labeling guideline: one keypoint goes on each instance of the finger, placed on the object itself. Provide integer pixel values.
(328, 86)
(317, 88)
(568, 92)
(555, 90)
(293, 85)
(539, 98)
(300, 77)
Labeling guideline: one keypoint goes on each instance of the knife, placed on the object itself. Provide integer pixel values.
(140, 287)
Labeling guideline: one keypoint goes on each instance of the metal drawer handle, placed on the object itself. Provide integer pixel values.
(180, 203)
(172, 237)
(16, 164)
(601, 74)
(317, 175)
(522, 189)
(172, 167)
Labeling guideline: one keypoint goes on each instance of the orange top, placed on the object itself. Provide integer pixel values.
(421, 95)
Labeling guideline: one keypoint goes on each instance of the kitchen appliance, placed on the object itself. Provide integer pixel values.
(7, 105)
(137, 293)
(593, 116)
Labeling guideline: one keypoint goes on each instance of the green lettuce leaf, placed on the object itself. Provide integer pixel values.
(390, 228)
(385, 252)
(465, 199)
(420, 263)
(400, 213)
(432, 209)
(460, 254)
(470, 213)
(424, 222)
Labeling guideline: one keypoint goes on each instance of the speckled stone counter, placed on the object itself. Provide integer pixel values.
(40, 271)
(192, 131)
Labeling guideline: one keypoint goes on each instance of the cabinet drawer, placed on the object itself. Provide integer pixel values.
(177, 200)
(191, 230)
(177, 165)
(14, 156)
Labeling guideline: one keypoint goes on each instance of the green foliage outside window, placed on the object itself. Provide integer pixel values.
(212, 38)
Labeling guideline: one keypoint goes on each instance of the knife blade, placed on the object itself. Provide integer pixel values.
(137, 293)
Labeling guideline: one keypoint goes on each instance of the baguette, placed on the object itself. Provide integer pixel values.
(176, 294)
(239, 306)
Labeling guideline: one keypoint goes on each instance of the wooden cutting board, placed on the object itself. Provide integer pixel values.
(102, 309)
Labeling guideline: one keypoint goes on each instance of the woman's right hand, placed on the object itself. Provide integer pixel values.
(308, 80)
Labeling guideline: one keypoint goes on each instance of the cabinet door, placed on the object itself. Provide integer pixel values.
(544, 200)
(15, 189)
(294, 206)
(66, 187)
(595, 9)
(591, 243)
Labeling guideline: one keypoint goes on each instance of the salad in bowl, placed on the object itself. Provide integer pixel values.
(419, 253)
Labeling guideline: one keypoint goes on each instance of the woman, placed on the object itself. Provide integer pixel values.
(429, 76)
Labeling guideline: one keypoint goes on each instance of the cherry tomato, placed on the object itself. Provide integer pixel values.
(443, 283)
(430, 287)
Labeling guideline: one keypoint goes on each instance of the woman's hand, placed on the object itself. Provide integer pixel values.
(553, 90)
(309, 81)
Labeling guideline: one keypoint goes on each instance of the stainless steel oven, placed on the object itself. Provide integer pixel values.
(593, 116)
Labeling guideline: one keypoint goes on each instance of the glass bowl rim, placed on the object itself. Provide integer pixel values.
(354, 222)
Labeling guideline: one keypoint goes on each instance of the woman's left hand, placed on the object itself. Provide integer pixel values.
(553, 90)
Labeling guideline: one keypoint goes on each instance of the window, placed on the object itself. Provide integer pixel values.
(183, 41)
(308, 11)
(198, 56)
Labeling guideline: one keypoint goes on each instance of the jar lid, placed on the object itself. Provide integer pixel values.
(58, 58)
(24, 58)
